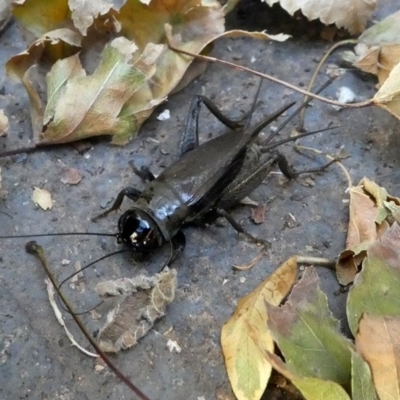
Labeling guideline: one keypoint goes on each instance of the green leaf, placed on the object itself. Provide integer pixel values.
(362, 387)
(376, 288)
(308, 335)
(310, 388)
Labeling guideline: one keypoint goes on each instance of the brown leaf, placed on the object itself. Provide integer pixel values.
(379, 47)
(71, 176)
(141, 301)
(376, 287)
(378, 342)
(245, 336)
(367, 223)
(258, 214)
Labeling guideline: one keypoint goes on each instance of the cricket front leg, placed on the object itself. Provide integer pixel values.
(129, 192)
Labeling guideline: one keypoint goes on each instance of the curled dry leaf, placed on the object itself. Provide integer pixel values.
(349, 14)
(141, 301)
(369, 219)
(378, 342)
(245, 336)
(137, 70)
(3, 123)
(42, 198)
(378, 50)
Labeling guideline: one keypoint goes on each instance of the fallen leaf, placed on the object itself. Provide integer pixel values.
(352, 15)
(378, 342)
(40, 17)
(388, 96)
(377, 286)
(308, 335)
(368, 221)
(71, 176)
(378, 50)
(140, 302)
(137, 70)
(362, 386)
(42, 198)
(311, 388)
(85, 12)
(91, 105)
(258, 214)
(245, 336)
(3, 123)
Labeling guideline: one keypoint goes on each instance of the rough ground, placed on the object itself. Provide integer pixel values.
(36, 359)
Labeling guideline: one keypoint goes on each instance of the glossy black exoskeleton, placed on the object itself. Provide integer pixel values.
(205, 181)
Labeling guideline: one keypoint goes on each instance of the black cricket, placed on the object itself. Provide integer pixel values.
(204, 183)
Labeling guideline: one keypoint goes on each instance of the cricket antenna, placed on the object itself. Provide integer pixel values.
(296, 112)
(60, 234)
(82, 269)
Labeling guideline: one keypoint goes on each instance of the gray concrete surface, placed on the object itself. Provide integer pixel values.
(36, 359)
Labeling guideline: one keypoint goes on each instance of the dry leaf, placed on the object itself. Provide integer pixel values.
(258, 214)
(3, 123)
(378, 342)
(376, 287)
(368, 221)
(349, 14)
(141, 301)
(378, 49)
(71, 176)
(245, 337)
(388, 96)
(85, 12)
(42, 198)
(137, 70)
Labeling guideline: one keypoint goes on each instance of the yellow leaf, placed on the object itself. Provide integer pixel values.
(42, 198)
(245, 337)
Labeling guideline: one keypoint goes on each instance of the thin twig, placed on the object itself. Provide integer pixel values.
(366, 103)
(300, 126)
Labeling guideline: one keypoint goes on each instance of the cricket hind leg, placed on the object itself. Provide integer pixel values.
(190, 135)
(291, 173)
